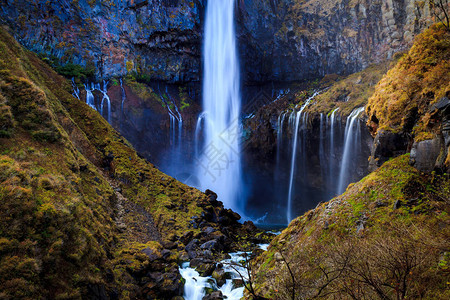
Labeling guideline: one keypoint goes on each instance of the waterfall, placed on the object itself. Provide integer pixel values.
(194, 285)
(279, 138)
(322, 159)
(89, 95)
(349, 148)
(124, 96)
(296, 119)
(331, 183)
(219, 165)
(76, 90)
(201, 118)
(104, 91)
(179, 120)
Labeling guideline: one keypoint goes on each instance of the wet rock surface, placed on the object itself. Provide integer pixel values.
(386, 145)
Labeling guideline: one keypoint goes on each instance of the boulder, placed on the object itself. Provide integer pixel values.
(152, 254)
(212, 245)
(220, 276)
(192, 248)
(217, 295)
(424, 154)
(387, 145)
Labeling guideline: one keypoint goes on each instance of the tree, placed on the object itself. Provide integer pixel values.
(440, 9)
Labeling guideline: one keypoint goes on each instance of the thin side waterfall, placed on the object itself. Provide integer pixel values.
(280, 138)
(176, 120)
(349, 146)
(104, 91)
(124, 96)
(179, 120)
(331, 183)
(322, 160)
(219, 165)
(76, 90)
(198, 128)
(296, 119)
(89, 96)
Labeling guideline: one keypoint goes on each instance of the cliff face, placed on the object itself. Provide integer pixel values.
(297, 40)
(159, 38)
(279, 40)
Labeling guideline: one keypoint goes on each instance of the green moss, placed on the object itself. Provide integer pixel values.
(349, 92)
(56, 206)
(395, 205)
(420, 78)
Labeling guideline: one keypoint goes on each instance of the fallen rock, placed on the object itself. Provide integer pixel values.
(424, 154)
(217, 295)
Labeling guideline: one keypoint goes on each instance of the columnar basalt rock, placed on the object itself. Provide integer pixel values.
(296, 40)
(158, 38)
(279, 40)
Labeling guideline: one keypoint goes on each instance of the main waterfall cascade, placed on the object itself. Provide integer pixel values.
(219, 163)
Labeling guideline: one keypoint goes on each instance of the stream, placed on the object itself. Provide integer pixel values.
(195, 287)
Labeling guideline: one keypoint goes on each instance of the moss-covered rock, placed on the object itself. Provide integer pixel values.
(404, 100)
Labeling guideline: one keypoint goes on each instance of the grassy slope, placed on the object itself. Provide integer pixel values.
(349, 92)
(58, 235)
(403, 97)
(387, 236)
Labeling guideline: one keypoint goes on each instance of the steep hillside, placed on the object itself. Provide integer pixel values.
(410, 104)
(82, 215)
(386, 237)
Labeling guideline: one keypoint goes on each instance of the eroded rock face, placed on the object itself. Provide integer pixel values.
(158, 38)
(424, 154)
(294, 40)
(386, 145)
(279, 40)
(433, 154)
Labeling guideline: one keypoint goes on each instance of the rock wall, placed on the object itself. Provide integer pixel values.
(295, 40)
(160, 38)
(280, 40)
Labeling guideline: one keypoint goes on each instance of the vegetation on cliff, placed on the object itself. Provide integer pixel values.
(403, 98)
(81, 213)
(386, 237)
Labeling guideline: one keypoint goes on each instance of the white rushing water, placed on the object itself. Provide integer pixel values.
(194, 286)
(76, 90)
(332, 180)
(89, 96)
(349, 146)
(296, 120)
(106, 99)
(219, 164)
